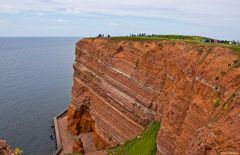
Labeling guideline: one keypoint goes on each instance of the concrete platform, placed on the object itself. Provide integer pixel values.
(65, 140)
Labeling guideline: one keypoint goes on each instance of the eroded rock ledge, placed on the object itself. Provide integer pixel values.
(194, 90)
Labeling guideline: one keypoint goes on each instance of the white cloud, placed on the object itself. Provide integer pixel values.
(61, 20)
(113, 24)
(204, 12)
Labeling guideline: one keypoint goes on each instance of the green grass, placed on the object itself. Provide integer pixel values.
(189, 39)
(144, 144)
(163, 37)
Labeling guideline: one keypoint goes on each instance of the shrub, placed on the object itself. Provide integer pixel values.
(226, 106)
(216, 102)
(222, 73)
(18, 151)
(236, 63)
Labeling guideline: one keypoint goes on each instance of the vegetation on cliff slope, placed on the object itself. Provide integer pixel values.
(144, 144)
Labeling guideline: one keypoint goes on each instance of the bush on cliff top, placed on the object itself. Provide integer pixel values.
(144, 144)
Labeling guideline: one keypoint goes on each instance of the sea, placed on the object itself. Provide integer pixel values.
(35, 85)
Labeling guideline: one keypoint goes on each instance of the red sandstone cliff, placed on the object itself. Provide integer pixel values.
(194, 90)
(5, 148)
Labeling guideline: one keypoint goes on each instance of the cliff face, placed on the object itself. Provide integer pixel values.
(120, 86)
(5, 148)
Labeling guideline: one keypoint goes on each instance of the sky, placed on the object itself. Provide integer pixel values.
(212, 18)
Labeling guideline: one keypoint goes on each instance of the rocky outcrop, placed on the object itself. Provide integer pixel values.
(194, 90)
(5, 148)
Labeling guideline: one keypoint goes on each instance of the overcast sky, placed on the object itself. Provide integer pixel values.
(212, 18)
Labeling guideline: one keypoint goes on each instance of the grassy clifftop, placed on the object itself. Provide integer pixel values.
(189, 39)
(164, 37)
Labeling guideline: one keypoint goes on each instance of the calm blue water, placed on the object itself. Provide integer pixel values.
(35, 85)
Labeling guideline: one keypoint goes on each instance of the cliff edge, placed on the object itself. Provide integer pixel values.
(120, 86)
